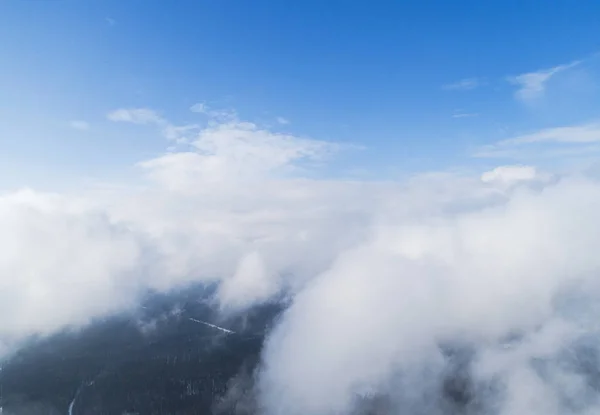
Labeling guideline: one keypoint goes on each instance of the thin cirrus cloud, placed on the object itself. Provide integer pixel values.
(464, 114)
(79, 125)
(464, 84)
(584, 133)
(144, 116)
(532, 85)
(556, 141)
(219, 115)
(381, 276)
(136, 116)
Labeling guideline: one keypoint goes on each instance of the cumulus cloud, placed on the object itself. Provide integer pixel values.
(509, 175)
(61, 263)
(388, 282)
(383, 309)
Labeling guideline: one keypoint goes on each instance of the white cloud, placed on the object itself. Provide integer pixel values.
(379, 273)
(144, 116)
(136, 116)
(200, 107)
(53, 250)
(381, 310)
(282, 121)
(509, 174)
(462, 114)
(557, 141)
(533, 84)
(218, 115)
(249, 277)
(179, 133)
(79, 125)
(234, 151)
(585, 133)
(464, 84)
(506, 177)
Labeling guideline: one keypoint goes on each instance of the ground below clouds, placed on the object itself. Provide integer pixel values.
(155, 361)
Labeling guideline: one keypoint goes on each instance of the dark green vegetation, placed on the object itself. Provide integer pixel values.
(155, 362)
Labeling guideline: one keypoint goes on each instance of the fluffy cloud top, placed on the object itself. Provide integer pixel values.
(384, 307)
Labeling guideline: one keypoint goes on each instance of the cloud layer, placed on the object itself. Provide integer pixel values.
(383, 277)
(384, 308)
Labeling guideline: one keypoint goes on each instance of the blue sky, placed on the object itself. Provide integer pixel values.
(420, 85)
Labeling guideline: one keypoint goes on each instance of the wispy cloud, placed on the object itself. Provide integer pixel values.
(144, 116)
(218, 115)
(200, 107)
(464, 84)
(532, 85)
(236, 149)
(79, 125)
(283, 121)
(463, 114)
(585, 133)
(562, 140)
(136, 116)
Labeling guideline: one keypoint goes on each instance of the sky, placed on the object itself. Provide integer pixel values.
(415, 85)
(410, 176)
